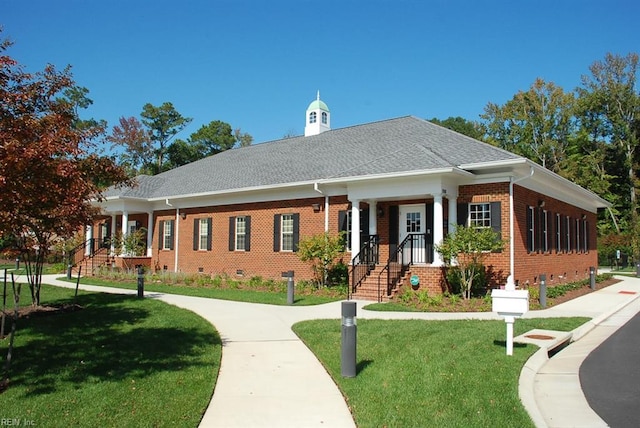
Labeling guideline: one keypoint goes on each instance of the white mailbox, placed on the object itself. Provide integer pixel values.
(510, 303)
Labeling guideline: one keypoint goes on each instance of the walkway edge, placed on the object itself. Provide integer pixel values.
(535, 363)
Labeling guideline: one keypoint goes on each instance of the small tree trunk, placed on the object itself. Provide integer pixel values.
(7, 364)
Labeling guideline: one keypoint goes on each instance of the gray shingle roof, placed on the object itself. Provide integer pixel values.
(391, 146)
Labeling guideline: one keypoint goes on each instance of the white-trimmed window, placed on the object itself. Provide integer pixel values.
(166, 234)
(578, 242)
(567, 231)
(480, 215)
(203, 235)
(324, 117)
(241, 233)
(287, 232)
(545, 231)
(313, 117)
(558, 233)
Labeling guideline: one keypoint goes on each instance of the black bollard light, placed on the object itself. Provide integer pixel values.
(543, 290)
(290, 286)
(69, 267)
(349, 340)
(17, 263)
(592, 277)
(140, 281)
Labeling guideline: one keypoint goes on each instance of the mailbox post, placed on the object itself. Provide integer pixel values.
(510, 304)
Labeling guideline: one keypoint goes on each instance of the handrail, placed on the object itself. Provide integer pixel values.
(89, 243)
(401, 261)
(364, 262)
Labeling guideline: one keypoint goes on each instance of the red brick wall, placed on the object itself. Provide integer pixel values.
(261, 260)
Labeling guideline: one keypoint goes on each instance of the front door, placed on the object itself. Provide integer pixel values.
(412, 221)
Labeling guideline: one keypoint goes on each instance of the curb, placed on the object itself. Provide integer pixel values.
(531, 368)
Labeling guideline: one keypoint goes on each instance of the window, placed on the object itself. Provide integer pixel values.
(544, 226)
(531, 231)
(324, 118)
(286, 232)
(165, 234)
(240, 233)
(558, 233)
(312, 117)
(585, 235)
(578, 242)
(202, 234)
(567, 231)
(479, 215)
(344, 221)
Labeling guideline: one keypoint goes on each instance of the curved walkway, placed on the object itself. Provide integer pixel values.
(268, 377)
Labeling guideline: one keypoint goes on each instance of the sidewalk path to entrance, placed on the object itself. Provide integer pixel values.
(268, 377)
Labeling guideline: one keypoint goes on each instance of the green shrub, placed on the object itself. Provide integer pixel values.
(479, 285)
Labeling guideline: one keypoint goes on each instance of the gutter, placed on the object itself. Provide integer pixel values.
(511, 215)
(177, 236)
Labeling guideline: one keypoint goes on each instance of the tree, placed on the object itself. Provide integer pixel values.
(535, 124)
(609, 113)
(462, 126)
(48, 178)
(466, 250)
(163, 123)
(243, 138)
(138, 155)
(322, 251)
(213, 138)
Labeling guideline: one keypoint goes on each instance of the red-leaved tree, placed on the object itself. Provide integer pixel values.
(48, 174)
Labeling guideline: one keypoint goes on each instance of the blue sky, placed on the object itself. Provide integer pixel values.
(258, 64)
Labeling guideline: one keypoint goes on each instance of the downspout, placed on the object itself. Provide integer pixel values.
(326, 206)
(511, 215)
(175, 244)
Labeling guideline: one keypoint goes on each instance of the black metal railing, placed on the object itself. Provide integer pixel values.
(413, 249)
(365, 261)
(86, 249)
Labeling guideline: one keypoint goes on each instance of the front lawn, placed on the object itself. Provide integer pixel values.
(430, 373)
(253, 290)
(117, 361)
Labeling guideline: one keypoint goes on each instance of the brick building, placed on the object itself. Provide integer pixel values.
(396, 187)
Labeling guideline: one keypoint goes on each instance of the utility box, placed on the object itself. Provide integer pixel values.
(510, 303)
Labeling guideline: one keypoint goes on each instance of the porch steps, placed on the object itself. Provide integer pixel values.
(368, 288)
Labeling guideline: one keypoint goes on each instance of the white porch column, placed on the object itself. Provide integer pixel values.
(453, 213)
(438, 227)
(113, 232)
(373, 217)
(88, 236)
(123, 226)
(355, 228)
(150, 234)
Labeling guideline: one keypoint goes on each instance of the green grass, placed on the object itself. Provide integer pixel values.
(120, 361)
(430, 373)
(239, 295)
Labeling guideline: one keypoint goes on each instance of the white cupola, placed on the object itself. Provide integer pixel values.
(318, 118)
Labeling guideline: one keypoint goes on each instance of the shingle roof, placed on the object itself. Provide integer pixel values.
(391, 146)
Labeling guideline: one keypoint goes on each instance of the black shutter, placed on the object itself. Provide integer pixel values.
(276, 232)
(172, 223)
(530, 236)
(160, 234)
(232, 233)
(196, 234)
(296, 231)
(394, 226)
(364, 226)
(247, 235)
(463, 213)
(209, 232)
(429, 223)
(496, 218)
(342, 226)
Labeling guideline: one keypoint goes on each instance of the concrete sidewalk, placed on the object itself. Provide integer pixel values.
(268, 377)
